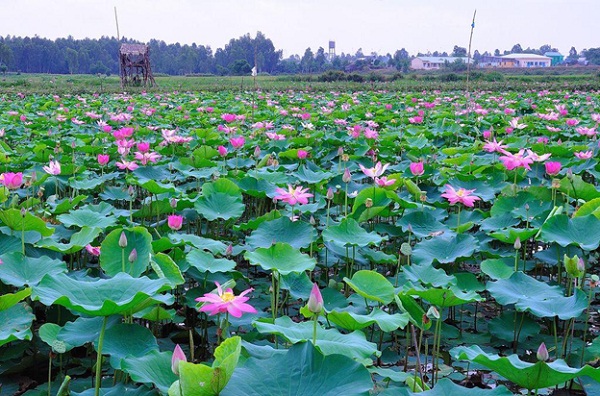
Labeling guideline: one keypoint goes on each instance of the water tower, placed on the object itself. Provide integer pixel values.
(331, 49)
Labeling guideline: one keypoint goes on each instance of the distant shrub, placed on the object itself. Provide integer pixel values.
(332, 75)
(355, 77)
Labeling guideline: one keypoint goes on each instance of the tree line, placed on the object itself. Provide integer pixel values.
(237, 57)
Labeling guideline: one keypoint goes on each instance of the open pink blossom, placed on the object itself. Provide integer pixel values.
(93, 250)
(228, 117)
(513, 161)
(103, 159)
(494, 146)
(537, 158)
(374, 172)
(302, 154)
(223, 302)
(583, 155)
(384, 182)
(11, 180)
(293, 195)
(146, 157)
(129, 165)
(461, 195)
(53, 168)
(237, 142)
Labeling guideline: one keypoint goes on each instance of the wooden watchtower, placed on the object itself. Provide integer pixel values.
(135, 65)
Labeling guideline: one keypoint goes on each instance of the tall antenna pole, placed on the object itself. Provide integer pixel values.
(469, 60)
(117, 22)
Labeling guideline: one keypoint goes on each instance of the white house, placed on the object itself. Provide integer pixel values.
(434, 62)
(528, 60)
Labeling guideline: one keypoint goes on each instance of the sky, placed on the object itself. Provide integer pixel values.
(382, 26)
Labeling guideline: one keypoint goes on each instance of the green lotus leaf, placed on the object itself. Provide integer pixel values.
(85, 217)
(213, 246)
(445, 387)
(422, 223)
(206, 262)
(11, 299)
(114, 259)
(581, 231)
(13, 219)
(302, 371)
(297, 234)
(202, 380)
(446, 297)
(428, 275)
(353, 321)
(119, 390)
(15, 323)
(329, 341)
(537, 297)
(78, 241)
(527, 375)
(122, 294)
(19, 270)
(350, 233)
(126, 340)
(164, 266)
(282, 258)
(220, 206)
(372, 285)
(153, 368)
(444, 249)
(510, 235)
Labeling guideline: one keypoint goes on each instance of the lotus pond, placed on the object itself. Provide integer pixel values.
(271, 243)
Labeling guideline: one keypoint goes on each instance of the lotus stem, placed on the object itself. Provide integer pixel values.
(99, 358)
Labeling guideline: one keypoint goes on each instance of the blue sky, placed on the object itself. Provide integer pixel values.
(293, 25)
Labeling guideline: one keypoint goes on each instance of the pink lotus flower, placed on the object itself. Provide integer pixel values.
(487, 134)
(222, 151)
(237, 142)
(223, 302)
(514, 123)
(315, 300)
(53, 168)
(494, 146)
(384, 182)
(537, 158)
(552, 167)
(228, 117)
(129, 165)
(302, 154)
(175, 222)
(103, 159)
(123, 133)
(462, 195)
(416, 168)
(275, 136)
(93, 250)
(583, 155)
(572, 122)
(144, 158)
(178, 356)
(143, 147)
(374, 172)
(11, 180)
(415, 119)
(292, 196)
(586, 131)
(371, 133)
(512, 161)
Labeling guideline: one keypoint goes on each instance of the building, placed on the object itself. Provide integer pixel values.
(496, 61)
(434, 62)
(557, 57)
(529, 60)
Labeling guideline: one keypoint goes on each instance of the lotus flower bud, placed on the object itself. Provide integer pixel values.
(256, 152)
(329, 193)
(229, 250)
(340, 151)
(123, 240)
(315, 300)
(23, 212)
(347, 177)
(572, 266)
(312, 220)
(517, 243)
(433, 312)
(425, 319)
(581, 265)
(173, 203)
(178, 356)
(542, 353)
(369, 203)
(133, 255)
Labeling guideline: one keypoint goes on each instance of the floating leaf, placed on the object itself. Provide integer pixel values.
(302, 371)
(353, 321)
(445, 387)
(329, 341)
(528, 375)
(154, 368)
(372, 285)
(114, 259)
(444, 249)
(19, 270)
(11, 299)
(122, 294)
(581, 231)
(206, 262)
(282, 258)
(14, 220)
(297, 234)
(78, 241)
(86, 217)
(127, 340)
(350, 233)
(15, 323)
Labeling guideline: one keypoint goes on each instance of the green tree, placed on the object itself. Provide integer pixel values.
(306, 63)
(72, 60)
(459, 51)
(516, 49)
(592, 55)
